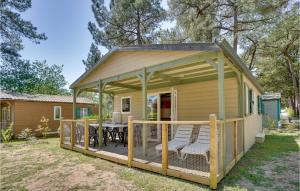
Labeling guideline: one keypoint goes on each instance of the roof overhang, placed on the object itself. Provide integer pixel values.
(236, 61)
(200, 70)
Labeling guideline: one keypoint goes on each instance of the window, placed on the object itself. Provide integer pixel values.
(57, 112)
(84, 112)
(246, 100)
(251, 102)
(126, 104)
(259, 105)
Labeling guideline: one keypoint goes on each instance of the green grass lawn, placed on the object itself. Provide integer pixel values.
(273, 165)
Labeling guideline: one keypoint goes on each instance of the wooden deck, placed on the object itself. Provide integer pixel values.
(223, 153)
(121, 158)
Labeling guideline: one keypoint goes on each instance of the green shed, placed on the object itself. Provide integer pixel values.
(271, 109)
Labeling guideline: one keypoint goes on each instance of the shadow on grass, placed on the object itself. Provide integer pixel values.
(260, 154)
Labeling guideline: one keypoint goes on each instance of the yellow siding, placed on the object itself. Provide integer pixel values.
(127, 61)
(195, 101)
(253, 122)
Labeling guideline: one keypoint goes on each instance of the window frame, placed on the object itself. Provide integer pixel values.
(251, 101)
(130, 101)
(82, 109)
(246, 100)
(54, 113)
(259, 105)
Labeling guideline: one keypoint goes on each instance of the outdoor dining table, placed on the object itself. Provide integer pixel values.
(113, 129)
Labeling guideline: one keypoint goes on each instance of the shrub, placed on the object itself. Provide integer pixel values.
(43, 128)
(271, 123)
(27, 135)
(291, 126)
(91, 117)
(7, 134)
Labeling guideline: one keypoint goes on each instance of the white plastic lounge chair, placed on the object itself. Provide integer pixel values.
(200, 146)
(181, 139)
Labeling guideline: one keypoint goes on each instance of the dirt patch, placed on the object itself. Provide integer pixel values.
(281, 173)
(77, 177)
(36, 167)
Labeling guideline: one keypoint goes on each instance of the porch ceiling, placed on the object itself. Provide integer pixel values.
(195, 72)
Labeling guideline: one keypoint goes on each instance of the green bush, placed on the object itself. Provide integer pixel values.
(96, 117)
(7, 134)
(271, 123)
(91, 117)
(27, 135)
(291, 126)
(43, 128)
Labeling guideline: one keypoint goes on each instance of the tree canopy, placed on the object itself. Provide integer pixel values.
(278, 57)
(32, 77)
(17, 74)
(13, 28)
(126, 22)
(93, 57)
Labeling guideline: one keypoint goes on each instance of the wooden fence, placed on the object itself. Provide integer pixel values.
(225, 149)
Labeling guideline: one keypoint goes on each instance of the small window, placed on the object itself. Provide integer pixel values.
(249, 99)
(259, 105)
(126, 104)
(251, 102)
(246, 100)
(57, 112)
(84, 112)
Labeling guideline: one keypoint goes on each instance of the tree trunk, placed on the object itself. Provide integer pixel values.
(209, 36)
(138, 30)
(294, 80)
(235, 28)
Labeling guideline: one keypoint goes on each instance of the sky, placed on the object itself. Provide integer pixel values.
(65, 23)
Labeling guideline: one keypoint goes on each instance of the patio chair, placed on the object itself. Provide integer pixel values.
(116, 119)
(181, 139)
(200, 146)
(93, 134)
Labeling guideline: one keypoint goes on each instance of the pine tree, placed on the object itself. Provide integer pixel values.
(20, 75)
(13, 28)
(196, 19)
(93, 57)
(279, 63)
(127, 22)
(206, 20)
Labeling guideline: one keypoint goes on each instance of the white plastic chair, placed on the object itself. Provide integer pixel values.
(200, 146)
(181, 139)
(116, 117)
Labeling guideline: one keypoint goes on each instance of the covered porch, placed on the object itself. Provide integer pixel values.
(149, 133)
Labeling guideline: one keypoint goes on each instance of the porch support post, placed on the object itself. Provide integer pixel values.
(221, 96)
(221, 87)
(243, 107)
(144, 108)
(241, 95)
(130, 141)
(213, 167)
(100, 113)
(164, 153)
(74, 102)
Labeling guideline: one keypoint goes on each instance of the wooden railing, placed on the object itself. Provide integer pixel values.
(72, 124)
(230, 128)
(218, 168)
(213, 158)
